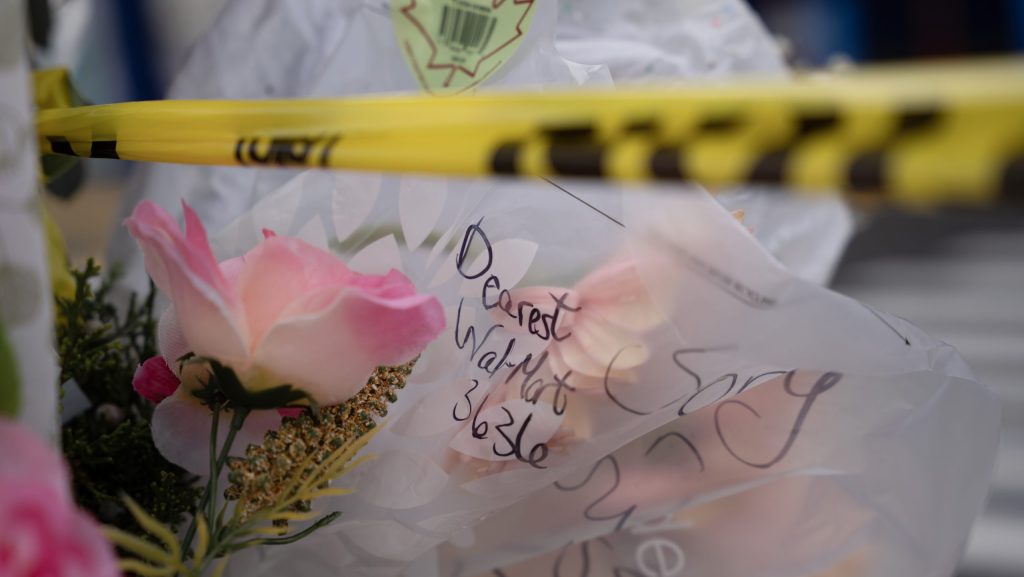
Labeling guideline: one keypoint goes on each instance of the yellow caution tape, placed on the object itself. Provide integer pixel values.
(921, 135)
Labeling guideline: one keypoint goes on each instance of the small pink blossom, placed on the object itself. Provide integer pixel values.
(154, 380)
(42, 532)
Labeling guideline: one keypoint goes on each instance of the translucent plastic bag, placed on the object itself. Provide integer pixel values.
(631, 385)
(668, 393)
(322, 48)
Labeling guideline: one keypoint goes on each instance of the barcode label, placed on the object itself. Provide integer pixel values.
(461, 28)
(452, 46)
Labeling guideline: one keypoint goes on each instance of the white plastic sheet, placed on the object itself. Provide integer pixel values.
(679, 404)
(322, 48)
(632, 382)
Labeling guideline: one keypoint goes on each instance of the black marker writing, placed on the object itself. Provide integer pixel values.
(525, 313)
(531, 389)
(821, 386)
(490, 362)
(674, 435)
(588, 513)
(537, 454)
(473, 232)
(469, 403)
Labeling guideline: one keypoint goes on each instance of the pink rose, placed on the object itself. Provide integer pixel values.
(285, 312)
(42, 533)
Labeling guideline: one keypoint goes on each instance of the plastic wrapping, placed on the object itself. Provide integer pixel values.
(632, 381)
(265, 49)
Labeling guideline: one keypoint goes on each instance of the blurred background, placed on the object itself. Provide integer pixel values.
(820, 32)
(957, 274)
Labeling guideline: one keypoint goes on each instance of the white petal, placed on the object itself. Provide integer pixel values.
(354, 196)
(171, 340)
(510, 260)
(388, 539)
(181, 431)
(400, 480)
(603, 342)
(378, 257)
(420, 202)
(313, 233)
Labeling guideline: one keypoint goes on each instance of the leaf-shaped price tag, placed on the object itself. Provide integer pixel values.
(454, 45)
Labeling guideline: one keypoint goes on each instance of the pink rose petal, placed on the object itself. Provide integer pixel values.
(42, 533)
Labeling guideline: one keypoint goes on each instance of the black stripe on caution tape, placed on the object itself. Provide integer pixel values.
(868, 171)
(574, 150)
(566, 134)
(299, 150)
(719, 123)
(667, 164)
(97, 148)
(770, 168)
(919, 119)
(60, 145)
(505, 159)
(577, 159)
(813, 123)
(1012, 188)
(641, 126)
(103, 149)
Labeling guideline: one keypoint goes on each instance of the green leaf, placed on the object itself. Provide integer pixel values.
(10, 395)
(321, 522)
(100, 346)
(227, 381)
(153, 527)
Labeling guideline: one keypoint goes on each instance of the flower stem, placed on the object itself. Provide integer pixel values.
(191, 532)
(208, 501)
(238, 417)
(321, 522)
(211, 485)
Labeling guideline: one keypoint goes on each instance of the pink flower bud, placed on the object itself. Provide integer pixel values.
(154, 380)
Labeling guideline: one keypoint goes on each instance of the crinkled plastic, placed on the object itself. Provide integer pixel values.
(323, 48)
(632, 381)
(630, 384)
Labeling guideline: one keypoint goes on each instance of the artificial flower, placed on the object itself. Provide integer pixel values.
(600, 323)
(43, 532)
(286, 312)
(154, 380)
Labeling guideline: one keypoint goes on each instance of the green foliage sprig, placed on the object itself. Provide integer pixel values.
(109, 447)
(276, 483)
